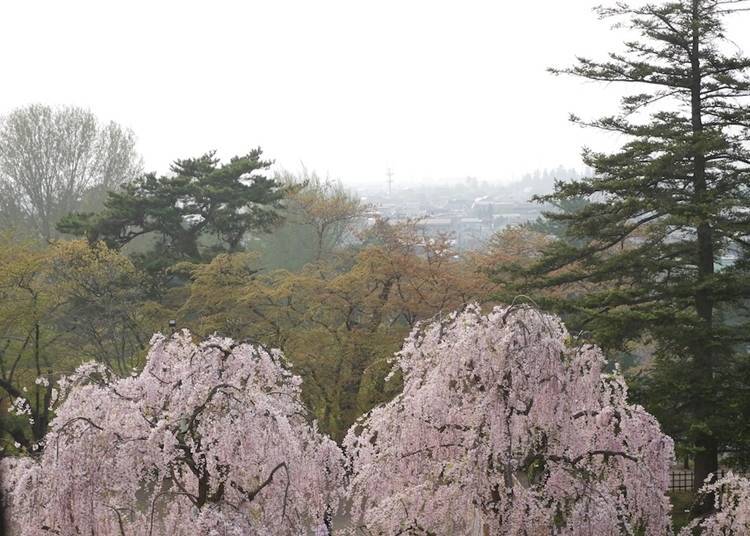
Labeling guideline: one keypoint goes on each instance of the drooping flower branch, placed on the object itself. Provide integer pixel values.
(504, 427)
(207, 439)
(731, 509)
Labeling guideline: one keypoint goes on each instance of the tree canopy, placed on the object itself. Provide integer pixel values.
(60, 305)
(338, 321)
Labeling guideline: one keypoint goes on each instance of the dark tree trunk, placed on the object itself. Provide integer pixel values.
(706, 458)
(706, 461)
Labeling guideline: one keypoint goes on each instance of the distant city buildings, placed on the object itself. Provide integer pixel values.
(469, 212)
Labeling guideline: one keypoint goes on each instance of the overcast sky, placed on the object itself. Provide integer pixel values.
(434, 90)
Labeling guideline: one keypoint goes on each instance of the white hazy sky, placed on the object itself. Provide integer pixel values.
(433, 89)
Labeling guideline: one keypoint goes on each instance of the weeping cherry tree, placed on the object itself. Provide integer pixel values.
(506, 427)
(207, 439)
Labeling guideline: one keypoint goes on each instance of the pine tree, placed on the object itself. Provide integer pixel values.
(665, 211)
(201, 199)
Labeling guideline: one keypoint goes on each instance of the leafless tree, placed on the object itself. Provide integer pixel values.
(57, 160)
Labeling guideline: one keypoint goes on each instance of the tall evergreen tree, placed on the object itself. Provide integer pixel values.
(665, 210)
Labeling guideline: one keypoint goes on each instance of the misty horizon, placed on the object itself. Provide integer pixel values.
(434, 92)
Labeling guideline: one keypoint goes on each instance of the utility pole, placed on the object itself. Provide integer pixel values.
(389, 173)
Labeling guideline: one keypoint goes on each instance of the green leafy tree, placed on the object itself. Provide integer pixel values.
(202, 209)
(105, 313)
(61, 305)
(662, 211)
(27, 308)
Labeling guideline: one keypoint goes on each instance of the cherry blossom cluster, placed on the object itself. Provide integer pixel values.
(209, 438)
(507, 427)
(731, 509)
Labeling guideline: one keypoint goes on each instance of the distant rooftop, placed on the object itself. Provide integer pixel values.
(436, 221)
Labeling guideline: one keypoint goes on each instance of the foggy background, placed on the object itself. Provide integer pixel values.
(434, 90)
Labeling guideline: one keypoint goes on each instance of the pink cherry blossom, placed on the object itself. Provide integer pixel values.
(731, 509)
(209, 439)
(506, 426)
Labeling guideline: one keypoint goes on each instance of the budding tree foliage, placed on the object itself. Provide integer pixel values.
(731, 514)
(506, 428)
(208, 439)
